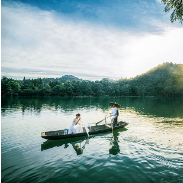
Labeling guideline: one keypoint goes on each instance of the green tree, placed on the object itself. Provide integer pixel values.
(27, 92)
(37, 83)
(5, 87)
(97, 89)
(54, 83)
(68, 88)
(126, 90)
(15, 87)
(116, 89)
(9, 87)
(58, 90)
(177, 7)
(107, 86)
(85, 87)
(76, 88)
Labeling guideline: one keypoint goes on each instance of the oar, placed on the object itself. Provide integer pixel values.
(101, 120)
(112, 126)
(117, 117)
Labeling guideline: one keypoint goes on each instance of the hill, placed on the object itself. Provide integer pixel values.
(62, 79)
(165, 79)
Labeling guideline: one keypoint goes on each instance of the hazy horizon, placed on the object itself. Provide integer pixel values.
(82, 78)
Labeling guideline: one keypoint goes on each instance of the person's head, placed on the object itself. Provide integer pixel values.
(114, 105)
(78, 115)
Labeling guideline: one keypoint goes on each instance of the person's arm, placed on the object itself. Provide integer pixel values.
(78, 121)
(111, 113)
(74, 120)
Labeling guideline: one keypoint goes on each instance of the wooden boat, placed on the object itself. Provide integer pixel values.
(61, 134)
(48, 144)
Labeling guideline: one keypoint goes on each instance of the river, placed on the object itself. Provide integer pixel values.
(149, 149)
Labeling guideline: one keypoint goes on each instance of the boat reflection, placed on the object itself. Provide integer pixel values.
(79, 143)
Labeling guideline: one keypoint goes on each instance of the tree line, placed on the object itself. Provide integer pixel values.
(164, 80)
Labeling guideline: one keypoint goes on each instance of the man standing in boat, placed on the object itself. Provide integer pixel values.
(115, 114)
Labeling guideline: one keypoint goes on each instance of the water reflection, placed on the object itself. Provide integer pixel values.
(78, 144)
(114, 142)
(159, 107)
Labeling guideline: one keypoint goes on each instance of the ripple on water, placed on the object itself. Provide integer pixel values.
(150, 150)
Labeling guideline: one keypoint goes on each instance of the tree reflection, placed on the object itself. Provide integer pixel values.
(160, 107)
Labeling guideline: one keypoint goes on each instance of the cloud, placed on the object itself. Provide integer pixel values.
(39, 43)
(149, 50)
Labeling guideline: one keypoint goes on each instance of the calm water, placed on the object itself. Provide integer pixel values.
(149, 149)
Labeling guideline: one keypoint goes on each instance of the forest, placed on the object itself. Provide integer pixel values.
(165, 80)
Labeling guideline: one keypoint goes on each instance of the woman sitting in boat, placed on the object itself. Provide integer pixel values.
(76, 126)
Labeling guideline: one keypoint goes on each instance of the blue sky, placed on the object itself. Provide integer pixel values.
(88, 39)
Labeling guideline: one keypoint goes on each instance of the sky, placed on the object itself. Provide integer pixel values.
(89, 39)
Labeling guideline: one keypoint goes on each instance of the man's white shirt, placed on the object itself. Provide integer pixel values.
(114, 112)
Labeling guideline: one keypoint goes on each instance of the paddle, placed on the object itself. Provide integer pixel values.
(112, 126)
(101, 120)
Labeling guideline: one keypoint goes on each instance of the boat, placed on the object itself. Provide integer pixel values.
(48, 144)
(63, 134)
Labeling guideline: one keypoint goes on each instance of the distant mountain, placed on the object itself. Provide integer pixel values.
(170, 67)
(71, 78)
(62, 79)
(166, 78)
(168, 72)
